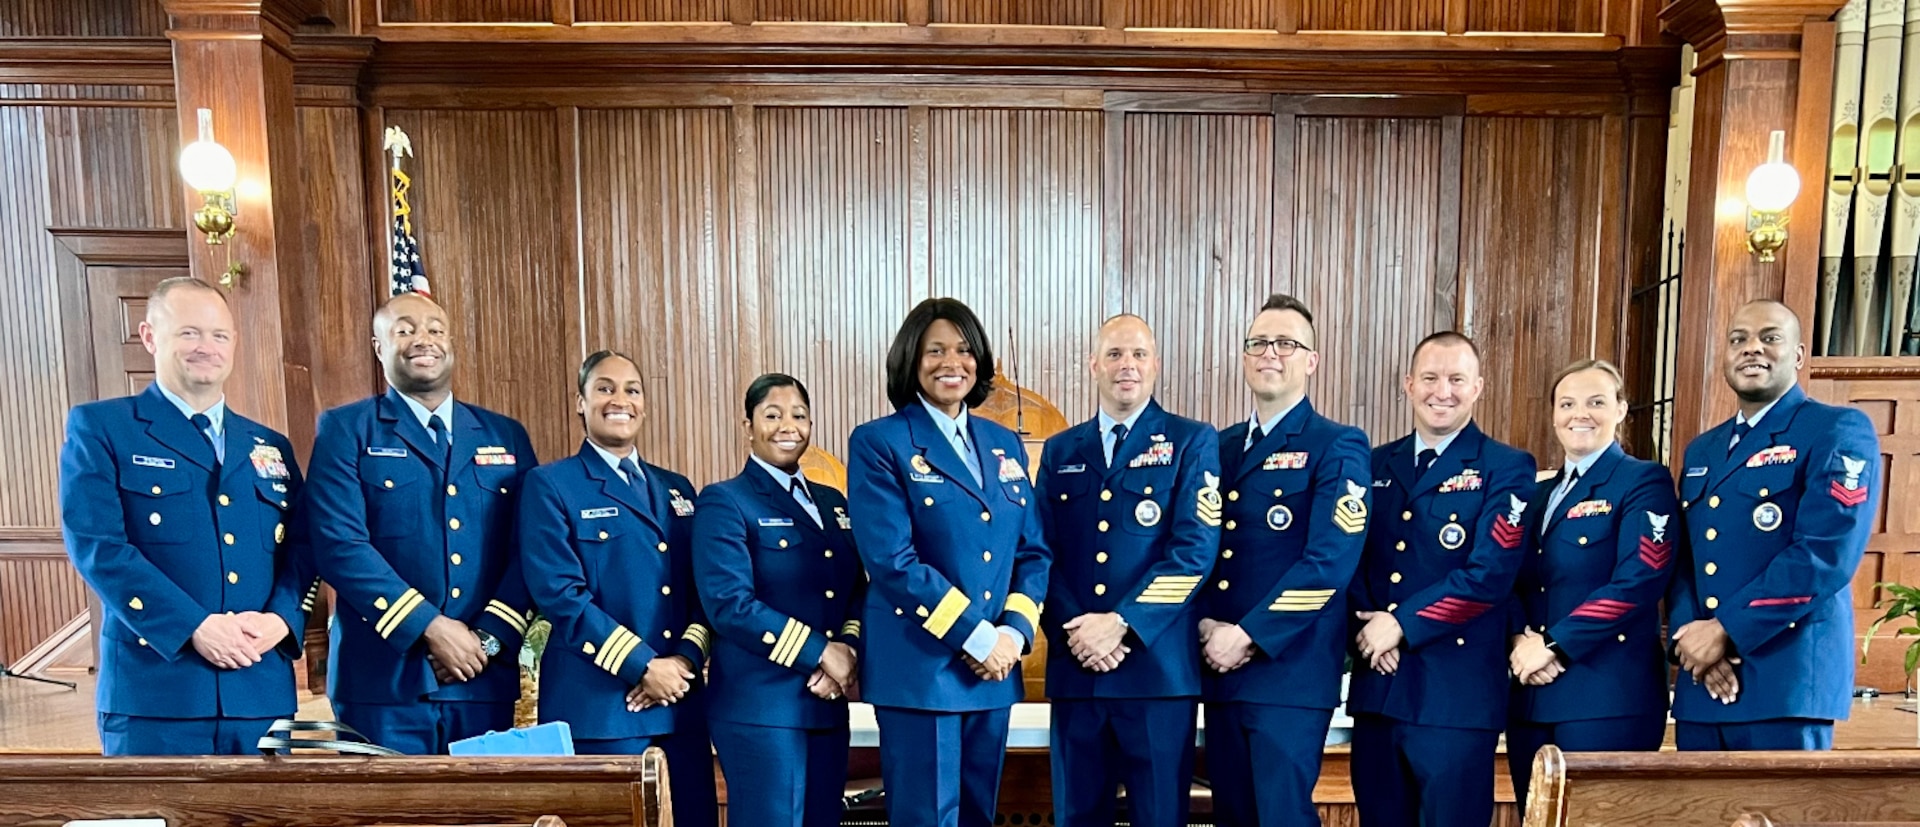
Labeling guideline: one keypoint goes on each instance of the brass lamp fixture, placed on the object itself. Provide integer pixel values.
(210, 170)
(1771, 189)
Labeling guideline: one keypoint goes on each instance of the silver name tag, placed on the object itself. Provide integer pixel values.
(599, 513)
(378, 451)
(152, 462)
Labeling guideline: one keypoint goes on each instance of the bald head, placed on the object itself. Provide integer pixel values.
(410, 337)
(1125, 364)
(1763, 353)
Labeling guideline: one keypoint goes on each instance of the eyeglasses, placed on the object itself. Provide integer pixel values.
(1281, 347)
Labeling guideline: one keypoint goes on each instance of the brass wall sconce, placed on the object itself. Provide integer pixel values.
(1771, 189)
(210, 170)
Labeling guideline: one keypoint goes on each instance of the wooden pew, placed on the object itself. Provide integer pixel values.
(1716, 789)
(337, 791)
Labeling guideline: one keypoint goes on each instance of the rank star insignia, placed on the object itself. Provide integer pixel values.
(1847, 490)
(1350, 511)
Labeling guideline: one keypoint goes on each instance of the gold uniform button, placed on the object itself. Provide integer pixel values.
(1710, 568)
(829, 552)
(1063, 498)
(1713, 501)
(783, 543)
(143, 641)
(1016, 489)
(1763, 493)
(1100, 558)
(1400, 546)
(1622, 638)
(1227, 553)
(233, 577)
(1459, 641)
(224, 499)
(663, 547)
(227, 538)
(454, 593)
(1102, 526)
(1583, 541)
(1023, 502)
(136, 604)
(503, 489)
(456, 558)
(668, 634)
(1453, 518)
(1105, 495)
(983, 595)
(1793, 625)
(986, 557)
(986, 516)
(1223, 585)
(1148, 491)
(927, 501)
(829, 594)
(454, 524)
(603, 535)
(1099, 588)
(1276, 492)
(154, 518)
(666, 590)
(156, 492)
(1231, 525)
(896, 613)
(1405, 516)
(829, 634)
(1543, 589)
(1712, 533)
(1395, 577)
(1713, 602)
(1233, 496)
(452, 489)
(1392, 606)
(389, 483)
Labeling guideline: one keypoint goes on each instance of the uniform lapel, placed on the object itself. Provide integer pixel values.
(661, 500)
(468, 434)
(169, 427)
(932, 445)
(400, 419)
(780, 498)
(238, 434)
(1400, 465)
(1089, 448)
(1583, 488)
(1139, 435)
(610, 483)
(1282, 435)
(1464, 450)
(1763, 436)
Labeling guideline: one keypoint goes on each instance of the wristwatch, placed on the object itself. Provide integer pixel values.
(488, 643)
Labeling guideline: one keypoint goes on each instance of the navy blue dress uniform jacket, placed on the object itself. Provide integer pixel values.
(1296, 520)
(1135, 538)
(943, 554)
(614, 575)
(1593, 585)
(403, 539)
(166, 537)
(1774, 532)
(777, 589)
(1442, 553)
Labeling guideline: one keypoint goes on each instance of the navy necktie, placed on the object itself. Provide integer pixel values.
(205, 426)
(441, 438)
(1740, 431)
(1424, 460)
(637, 482)
(1119, 431)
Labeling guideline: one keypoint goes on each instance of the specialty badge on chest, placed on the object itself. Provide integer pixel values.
(492, 455)
(840, 516)
(1009, 470)
(682, 507)
(1160, 453)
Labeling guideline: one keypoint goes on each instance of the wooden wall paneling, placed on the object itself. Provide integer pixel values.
(83, 18)
(1016, 234)
(39, 590)
(1198, 240)
(34, 373)
(1565, 16)
(1528, 237)
(837, 11)
(656, 194)
(834, 215)
(1444, 314)
(1213, 14)
(1373, 15)
(344, 369)
(1018, 12)
(650, 11)
(464, 11)
(485, 198)
(1366, 232)
(116, 167)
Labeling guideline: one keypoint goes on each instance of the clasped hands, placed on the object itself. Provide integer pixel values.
(1706, 653)
(1379, 641)
(1224, 646)
(1000, 662)
(838, 673)
(1098, 640)
(668, 679)
(453, 650)
(237, 641)
(1532, 662)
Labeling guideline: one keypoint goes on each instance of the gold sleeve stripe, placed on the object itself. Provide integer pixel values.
(944, 615)
(793, 638)
(618, 657)
(1149, 597)
(506, 613)
(616, 639)
(1302, 600)
(1175, 580)
(851, 627)
(397, 613)
(700, 636)
(1024, 606)
(1308, 592)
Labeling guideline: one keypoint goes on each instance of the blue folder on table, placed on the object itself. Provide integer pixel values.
(555, 738)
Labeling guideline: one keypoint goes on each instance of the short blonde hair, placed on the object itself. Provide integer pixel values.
(1602, 365)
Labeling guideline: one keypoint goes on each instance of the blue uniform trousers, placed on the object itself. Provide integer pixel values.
(425, 728)
(941, 769)
(1640, 733)
(141, 735)
(1100, 743)
(1777, 734)
(1263, 761)
(1433, 776)
(689, 772)
(783, 776)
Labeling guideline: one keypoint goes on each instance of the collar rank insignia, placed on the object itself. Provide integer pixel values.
(1285, 461)
(1506, 527)
(268, 463)
(1160, 454)
(1010, 470)
(1467, 480)
(1656, 551)
(840, 515)
(1848, 490)
(1590, 508)
(682, 507)
(1777, 455)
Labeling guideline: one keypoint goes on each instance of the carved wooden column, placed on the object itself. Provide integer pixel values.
(234, 57)
(1747, 84)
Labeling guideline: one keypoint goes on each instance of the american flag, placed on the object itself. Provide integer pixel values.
(409, 274)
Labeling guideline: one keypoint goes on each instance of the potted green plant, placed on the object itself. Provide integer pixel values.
(1904, 602)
